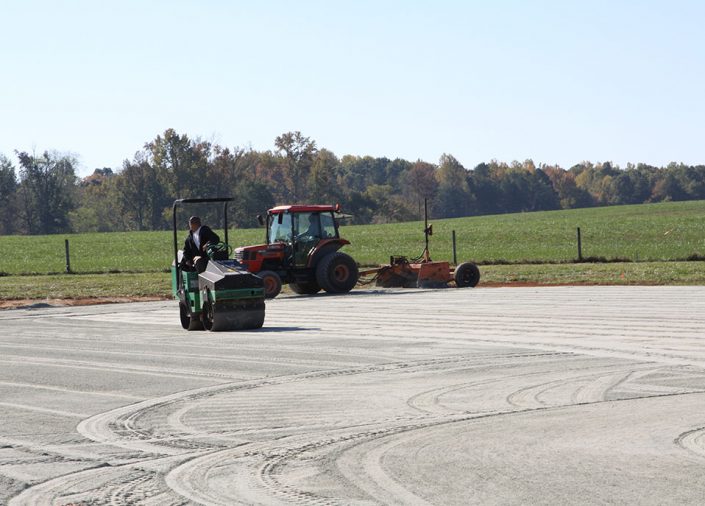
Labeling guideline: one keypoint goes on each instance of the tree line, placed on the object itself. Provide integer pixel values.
(43, 195)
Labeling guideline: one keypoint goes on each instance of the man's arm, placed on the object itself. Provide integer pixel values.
(208, 237)
(188, 250)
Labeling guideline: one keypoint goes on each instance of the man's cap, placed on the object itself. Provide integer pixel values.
(194, 219)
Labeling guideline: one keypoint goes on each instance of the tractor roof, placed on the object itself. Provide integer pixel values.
(305, 209)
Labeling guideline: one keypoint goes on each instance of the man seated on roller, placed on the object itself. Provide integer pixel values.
(199, 237)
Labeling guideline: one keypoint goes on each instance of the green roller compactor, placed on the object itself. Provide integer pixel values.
(225, 296)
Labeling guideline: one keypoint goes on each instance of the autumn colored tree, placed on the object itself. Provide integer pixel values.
(323, 187)
(454, 198)
(8, 197)
(141, 195)
(297, 153)
(419, 184)
(569, 195)
(97, 208)
(251, 199)
(48, 197)
(47, 191)
(180, 163)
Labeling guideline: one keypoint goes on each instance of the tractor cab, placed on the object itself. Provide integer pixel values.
(298, 237)
(300, 230)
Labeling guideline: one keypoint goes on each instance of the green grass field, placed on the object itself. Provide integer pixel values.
(669, 231)
(158, 284)
(652, 232)
(664, 232)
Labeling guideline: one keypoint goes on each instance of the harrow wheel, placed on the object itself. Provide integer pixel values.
(466, 275)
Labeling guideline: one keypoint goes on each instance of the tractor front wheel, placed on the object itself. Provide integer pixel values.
(272, 283)
(466, 275)
(337, 273)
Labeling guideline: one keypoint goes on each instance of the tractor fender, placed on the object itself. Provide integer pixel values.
(323, 248)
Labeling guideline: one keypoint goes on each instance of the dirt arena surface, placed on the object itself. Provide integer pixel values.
(564, 395)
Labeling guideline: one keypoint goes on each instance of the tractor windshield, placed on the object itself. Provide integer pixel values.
(307, 226)
(314, 226)
(280, 228)
(327, 226)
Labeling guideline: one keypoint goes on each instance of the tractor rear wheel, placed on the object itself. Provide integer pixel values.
(305, 288)
(337, 273)
(187, 322)
(466, 275)
(272, 283)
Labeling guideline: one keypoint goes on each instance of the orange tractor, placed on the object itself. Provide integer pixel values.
(302, 249)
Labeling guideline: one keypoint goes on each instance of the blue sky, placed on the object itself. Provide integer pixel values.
(554, 81)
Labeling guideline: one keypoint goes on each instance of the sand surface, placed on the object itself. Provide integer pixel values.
(564, 395)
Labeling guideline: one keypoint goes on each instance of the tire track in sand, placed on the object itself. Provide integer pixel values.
(692, 441)
(257, 471)
(121, 428)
